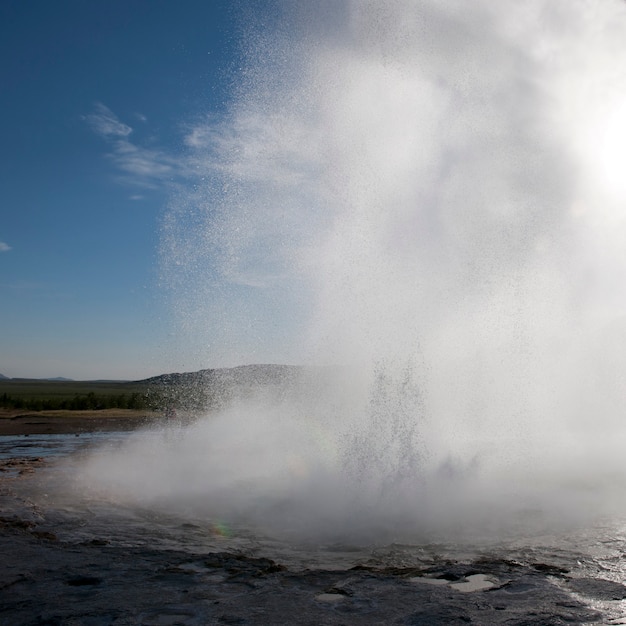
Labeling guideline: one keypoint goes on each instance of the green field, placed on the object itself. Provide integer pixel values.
(38, 395)
(190, 391)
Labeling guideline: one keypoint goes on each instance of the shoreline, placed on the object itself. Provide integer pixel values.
(15, 422)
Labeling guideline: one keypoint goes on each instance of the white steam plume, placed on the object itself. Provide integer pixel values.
(429, 194)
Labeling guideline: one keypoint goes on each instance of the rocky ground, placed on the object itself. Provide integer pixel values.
(21, 422)
(46, 579)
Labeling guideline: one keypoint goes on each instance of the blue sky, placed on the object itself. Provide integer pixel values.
(186, 186)
(95, 98)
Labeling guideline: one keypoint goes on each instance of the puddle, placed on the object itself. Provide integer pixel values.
(475, 582)
(49, 445)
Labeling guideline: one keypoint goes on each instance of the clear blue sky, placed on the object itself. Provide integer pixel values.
(183, 185)
(93, 101)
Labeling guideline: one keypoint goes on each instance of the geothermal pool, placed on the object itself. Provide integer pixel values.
(426, 199)
(87, 554)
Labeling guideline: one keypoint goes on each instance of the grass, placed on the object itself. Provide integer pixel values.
(40, 395)
(62, 389)
(181, 392)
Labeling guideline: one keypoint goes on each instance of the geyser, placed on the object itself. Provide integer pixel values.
(427, 199)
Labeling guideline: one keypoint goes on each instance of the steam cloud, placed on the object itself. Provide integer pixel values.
(429, 195)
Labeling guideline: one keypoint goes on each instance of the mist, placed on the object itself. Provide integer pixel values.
(424, 202)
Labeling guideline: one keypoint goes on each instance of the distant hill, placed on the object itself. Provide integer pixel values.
(246, 375)
(211, 388)
(204, 389)
(62, 379)
(240, 375)
(58, 379)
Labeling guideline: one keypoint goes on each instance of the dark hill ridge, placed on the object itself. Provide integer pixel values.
(212, 388)
(191, 391)
(241, 375)
(57, 379)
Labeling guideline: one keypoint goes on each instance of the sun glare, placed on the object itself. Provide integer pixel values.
(608, 150)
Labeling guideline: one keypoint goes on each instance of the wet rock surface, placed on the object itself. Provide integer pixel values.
(47, 582)
(47, 579)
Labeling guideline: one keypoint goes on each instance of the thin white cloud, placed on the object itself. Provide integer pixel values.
(142, 162)
(139, 166)
(105, 123)
(4, 247)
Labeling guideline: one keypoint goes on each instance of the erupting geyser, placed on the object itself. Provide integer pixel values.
(427, 199)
